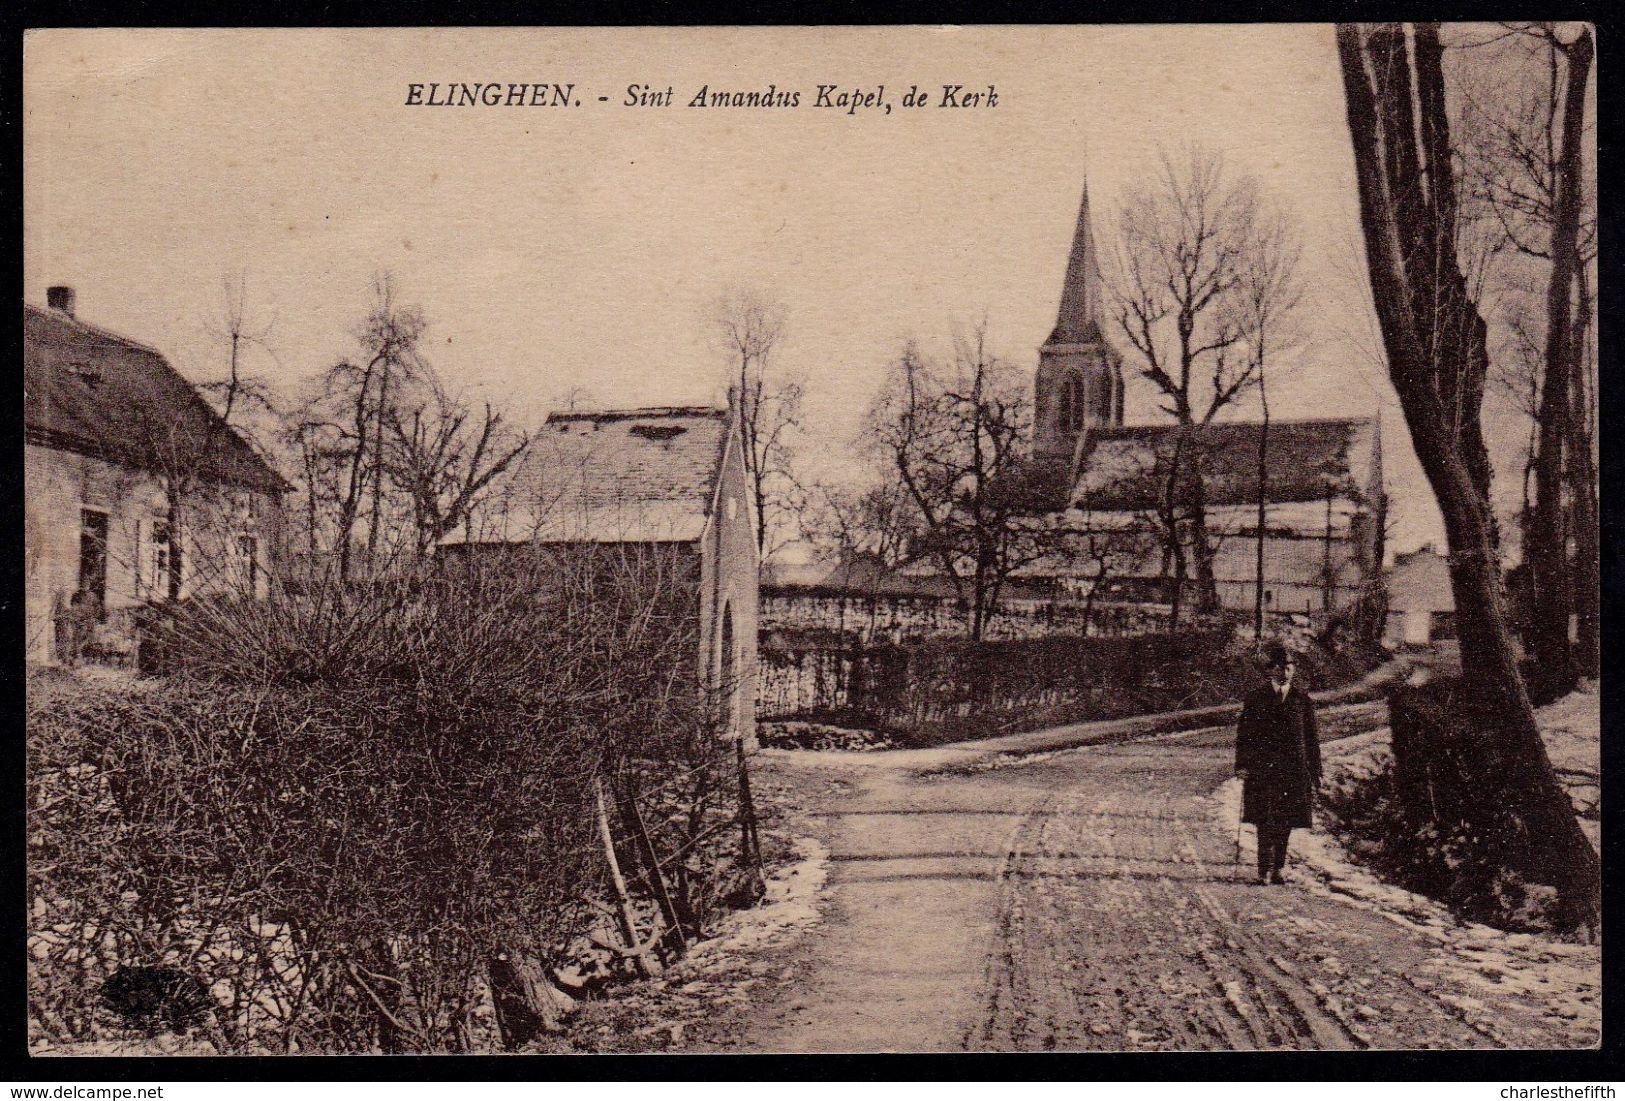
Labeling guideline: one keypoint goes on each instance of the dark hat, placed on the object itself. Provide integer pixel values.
(1276, 654)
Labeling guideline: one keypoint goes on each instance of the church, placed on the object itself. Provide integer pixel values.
(1323, 485)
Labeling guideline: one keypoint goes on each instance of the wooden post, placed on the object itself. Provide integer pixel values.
(675, 938)
(629, 928)
(750, 851)
(526, 1002)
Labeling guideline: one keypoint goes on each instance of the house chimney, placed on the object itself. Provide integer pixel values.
(60, 299)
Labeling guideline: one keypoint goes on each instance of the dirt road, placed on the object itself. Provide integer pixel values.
(1086, 899)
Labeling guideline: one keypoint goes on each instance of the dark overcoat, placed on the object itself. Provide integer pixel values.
(1278, 743)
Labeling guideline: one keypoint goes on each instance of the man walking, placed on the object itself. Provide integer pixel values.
(1278, 761)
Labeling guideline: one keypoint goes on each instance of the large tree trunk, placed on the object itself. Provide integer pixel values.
(1168, 512)
(978, 600)
(1582, 481)
(1433, 337)
(1548, 552)
(1190, 470)
(1207, 586)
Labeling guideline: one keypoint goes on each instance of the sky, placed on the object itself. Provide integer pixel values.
(581, 248)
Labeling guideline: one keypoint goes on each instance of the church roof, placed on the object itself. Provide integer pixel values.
(621, 476)
(1078, 321)
(1119, 467)
(93, 392)
(1035, 483)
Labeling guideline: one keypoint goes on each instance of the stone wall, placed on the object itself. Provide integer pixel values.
(901, 618)
(946, 688)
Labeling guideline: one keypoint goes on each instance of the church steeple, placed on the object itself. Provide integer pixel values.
(1076, 322)
(1079, 381)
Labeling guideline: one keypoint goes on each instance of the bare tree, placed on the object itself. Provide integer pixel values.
(241, 394)
(953, 439)
(1109, 548)
(856, 525)
(1183, 275)
(1266, 304)
(1399, 123)
(1525, 162)
(750, 327)
(876, 520)
(339, 431)
(442, 460)
(1515, 372)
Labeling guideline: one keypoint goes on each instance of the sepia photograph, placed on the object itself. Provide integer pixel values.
(811, 540)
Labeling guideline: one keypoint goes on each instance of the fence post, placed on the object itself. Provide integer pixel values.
(633, 817)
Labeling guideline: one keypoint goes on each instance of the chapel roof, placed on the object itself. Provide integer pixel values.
(644, 475)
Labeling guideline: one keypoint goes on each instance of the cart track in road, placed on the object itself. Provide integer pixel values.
(1087, 899)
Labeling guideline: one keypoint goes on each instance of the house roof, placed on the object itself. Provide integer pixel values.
(1420, 582)
(863, 574)
(96, 393)
(1308, 460)
(858, 572)
(621, 476)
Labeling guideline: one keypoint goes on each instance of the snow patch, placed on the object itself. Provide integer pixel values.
(1572, 730)
(792, 902)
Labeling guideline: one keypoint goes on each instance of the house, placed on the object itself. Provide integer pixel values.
(1421, 603)
(135, 489)
(1103, 481)
(671, 480)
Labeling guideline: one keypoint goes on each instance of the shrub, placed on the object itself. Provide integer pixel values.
(351, 809)
(338, 865)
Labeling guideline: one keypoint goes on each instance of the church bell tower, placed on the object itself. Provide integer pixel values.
(1079, 382)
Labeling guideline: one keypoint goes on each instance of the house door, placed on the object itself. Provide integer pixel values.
(93, 555)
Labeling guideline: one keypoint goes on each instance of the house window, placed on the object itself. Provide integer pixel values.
(248, 564)
(93, 557)
(160, 559)
(245, 507)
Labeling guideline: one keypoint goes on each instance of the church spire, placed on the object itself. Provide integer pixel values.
(1079, 381)
(1077, 321)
